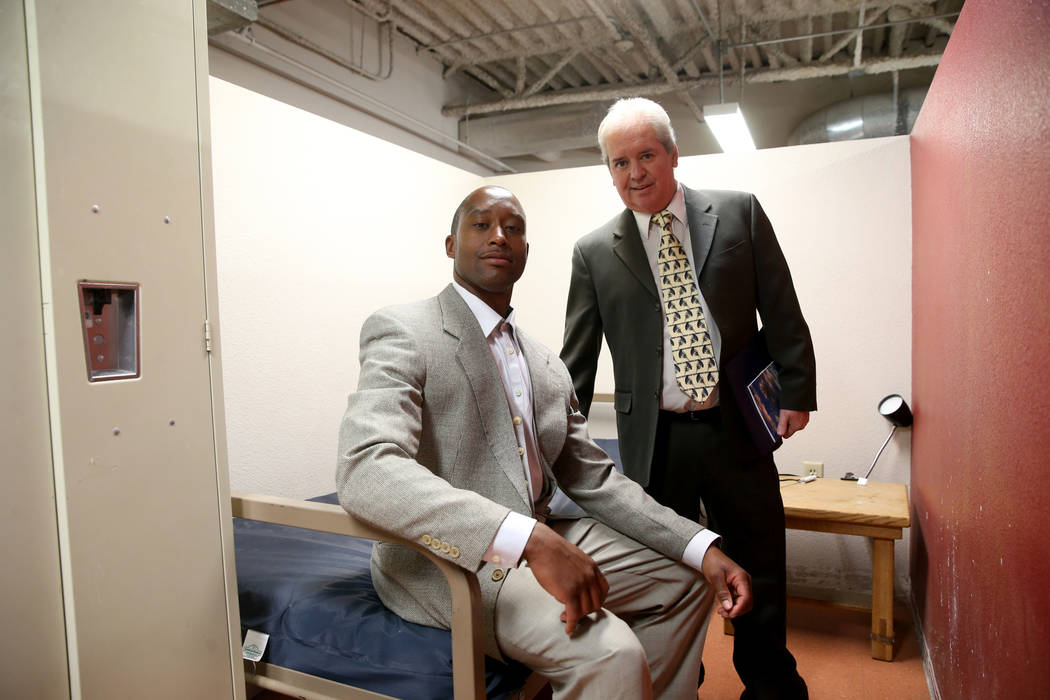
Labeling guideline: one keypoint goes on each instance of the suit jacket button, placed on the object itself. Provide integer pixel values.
(446, 547)
(435, 543)
(454, 552)
(497, 575)
(426, 539)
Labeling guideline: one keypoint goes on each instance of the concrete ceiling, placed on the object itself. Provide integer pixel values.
(545, 70)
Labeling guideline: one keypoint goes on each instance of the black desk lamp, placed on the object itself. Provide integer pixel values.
(894, 409)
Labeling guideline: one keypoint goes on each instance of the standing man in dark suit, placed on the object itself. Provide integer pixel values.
(674, 282)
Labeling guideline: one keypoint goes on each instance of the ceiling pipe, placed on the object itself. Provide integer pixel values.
(301, 41)
(898, 16)
(883, 65)
(858, 48)
(398, 118)
(806, 52)
(851, 30)
(703, 18)
(411, 21)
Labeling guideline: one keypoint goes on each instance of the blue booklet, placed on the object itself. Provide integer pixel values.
(754, 378)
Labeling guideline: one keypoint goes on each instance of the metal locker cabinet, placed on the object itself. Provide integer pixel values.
(119, 122)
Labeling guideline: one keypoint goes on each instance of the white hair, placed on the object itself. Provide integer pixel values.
(630, 108)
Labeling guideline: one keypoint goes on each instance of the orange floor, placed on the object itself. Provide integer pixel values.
(831, 646)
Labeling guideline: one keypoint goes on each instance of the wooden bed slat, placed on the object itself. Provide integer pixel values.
(303, 685)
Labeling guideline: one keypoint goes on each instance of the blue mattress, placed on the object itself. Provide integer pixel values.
(312, 593)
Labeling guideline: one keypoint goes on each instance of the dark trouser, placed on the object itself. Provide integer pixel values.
(692, 461)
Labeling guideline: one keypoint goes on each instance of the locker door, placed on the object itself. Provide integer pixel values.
(33, 643)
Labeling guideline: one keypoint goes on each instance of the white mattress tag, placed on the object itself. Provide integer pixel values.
(254, 645)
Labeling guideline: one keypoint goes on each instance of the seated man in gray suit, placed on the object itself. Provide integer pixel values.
(459, 432)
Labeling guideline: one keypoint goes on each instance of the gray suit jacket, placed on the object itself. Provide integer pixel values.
(427, 450)
(740, 269)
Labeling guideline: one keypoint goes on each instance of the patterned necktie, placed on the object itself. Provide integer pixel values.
(694, 356)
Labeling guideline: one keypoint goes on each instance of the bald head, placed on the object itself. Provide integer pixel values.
(467, 202)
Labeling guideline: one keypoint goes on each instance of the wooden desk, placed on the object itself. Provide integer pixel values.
(879, 511)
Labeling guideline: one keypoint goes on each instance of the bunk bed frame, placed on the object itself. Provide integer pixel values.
(467, 655)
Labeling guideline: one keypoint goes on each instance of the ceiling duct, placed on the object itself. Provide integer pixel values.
(865, 117)
(224, 15)
(542, 133)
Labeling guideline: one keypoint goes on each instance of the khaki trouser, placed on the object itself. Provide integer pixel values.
(647, 640)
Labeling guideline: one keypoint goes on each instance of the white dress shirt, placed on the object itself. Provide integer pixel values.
(672, 398)
(513, 534)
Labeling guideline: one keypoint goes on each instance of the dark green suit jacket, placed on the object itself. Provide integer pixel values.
(740, 269)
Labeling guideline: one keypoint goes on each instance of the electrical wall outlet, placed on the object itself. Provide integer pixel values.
(813, 469)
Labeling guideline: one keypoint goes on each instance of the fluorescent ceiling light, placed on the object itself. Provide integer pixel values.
(726, 122)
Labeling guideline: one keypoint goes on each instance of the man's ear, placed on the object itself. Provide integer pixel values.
(450, 246)
(674, 157)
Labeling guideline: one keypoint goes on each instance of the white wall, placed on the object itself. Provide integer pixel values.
(302, 236)
(314, 230)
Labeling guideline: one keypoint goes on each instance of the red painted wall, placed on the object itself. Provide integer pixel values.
(980, 484)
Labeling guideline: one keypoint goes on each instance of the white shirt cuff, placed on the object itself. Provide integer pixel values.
(510, 540)
(697, 548)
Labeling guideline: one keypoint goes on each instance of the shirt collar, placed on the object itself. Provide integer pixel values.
(488, 319)
(676, 207)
